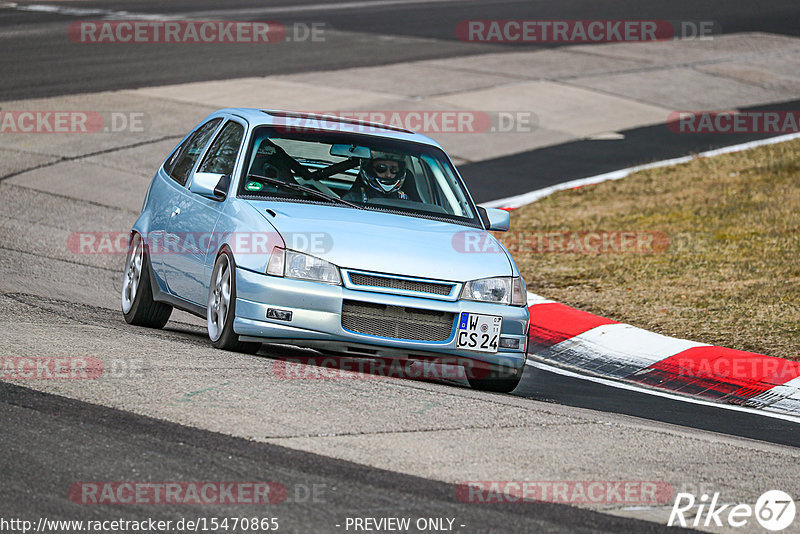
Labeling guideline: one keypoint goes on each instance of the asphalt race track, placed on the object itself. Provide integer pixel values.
(321, 492)
(374, 448)
(35, 65)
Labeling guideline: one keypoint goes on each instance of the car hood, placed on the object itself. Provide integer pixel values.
(388, 243)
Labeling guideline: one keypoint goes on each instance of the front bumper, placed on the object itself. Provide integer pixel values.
(317, 323)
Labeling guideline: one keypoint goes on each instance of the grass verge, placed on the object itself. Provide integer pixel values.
(729, 274)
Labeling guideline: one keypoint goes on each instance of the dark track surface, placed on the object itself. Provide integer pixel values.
(51, 443)
(40, 60)
(528, 171)
(552, 387)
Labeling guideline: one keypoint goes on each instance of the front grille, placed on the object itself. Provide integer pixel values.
(396, 321)
(398, 283)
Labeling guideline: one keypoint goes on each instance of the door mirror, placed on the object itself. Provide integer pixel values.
(495, 219)
(210, 185)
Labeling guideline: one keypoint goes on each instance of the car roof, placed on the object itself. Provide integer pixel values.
(322, 122)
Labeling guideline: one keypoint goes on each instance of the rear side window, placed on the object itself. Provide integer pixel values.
(181, 162)
(221, 157)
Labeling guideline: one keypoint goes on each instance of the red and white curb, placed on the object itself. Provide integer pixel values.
(585, 345)
(576, 340)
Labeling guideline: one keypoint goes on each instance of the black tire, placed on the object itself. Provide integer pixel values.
(498, 381)
(225, 338)
(137, 291)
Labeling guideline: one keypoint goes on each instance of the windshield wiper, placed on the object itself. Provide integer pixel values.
(304, 189)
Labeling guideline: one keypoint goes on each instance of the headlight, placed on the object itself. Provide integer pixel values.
(301, 266)
(502, 290)
(519, 293)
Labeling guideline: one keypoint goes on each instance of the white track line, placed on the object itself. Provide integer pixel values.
(226, 13)
(335, 6)
(526, 198)
(658, 393)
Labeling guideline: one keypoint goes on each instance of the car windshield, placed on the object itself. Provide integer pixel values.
(364, 171)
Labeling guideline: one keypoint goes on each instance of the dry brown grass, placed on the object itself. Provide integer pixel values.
(731, 273)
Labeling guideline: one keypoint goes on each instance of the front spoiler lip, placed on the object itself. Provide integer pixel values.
(394, 349)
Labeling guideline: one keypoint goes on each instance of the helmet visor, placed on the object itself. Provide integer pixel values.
(388, 171)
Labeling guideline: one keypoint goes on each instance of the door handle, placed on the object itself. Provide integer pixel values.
(176, 212)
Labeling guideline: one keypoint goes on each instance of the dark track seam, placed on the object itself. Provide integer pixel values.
(89, 155)
(59, 259)
(72, 199)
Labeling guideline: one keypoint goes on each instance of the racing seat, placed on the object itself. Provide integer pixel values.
(410, 187)
(271, 166)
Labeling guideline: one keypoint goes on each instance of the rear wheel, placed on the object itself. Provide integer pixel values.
(138, 305)
(221, 309)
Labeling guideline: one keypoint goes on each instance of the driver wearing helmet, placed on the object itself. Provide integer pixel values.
(380, 176)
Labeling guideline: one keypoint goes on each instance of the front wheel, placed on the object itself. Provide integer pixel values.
(221, 309)
(498, 381)
(138, 305)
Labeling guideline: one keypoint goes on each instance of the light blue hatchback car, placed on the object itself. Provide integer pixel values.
(329, 233)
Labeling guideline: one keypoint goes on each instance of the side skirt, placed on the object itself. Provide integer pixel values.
(176, 302)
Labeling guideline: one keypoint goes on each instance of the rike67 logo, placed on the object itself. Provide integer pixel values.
(774, 510)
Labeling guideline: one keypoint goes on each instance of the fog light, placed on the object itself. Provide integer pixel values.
(509, 343)
(279, 315)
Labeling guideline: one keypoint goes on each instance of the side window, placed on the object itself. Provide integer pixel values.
(222, 155)
(181, 162)
(170, 163)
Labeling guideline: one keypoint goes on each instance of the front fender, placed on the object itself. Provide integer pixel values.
(248, 234)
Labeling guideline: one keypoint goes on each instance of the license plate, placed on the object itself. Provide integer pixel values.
(477, 332)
